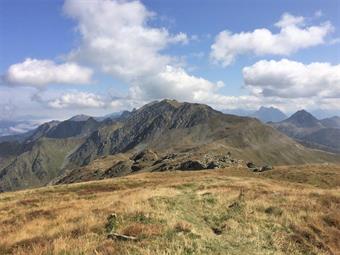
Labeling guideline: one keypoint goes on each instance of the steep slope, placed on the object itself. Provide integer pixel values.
(169, 126)
(299, 124)
(269, 114)
(41, 157)
(37, 166)
(73, 128)
(311, 132)
(327, 137)
(333, 122)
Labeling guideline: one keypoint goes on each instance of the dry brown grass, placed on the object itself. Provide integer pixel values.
(229, 211)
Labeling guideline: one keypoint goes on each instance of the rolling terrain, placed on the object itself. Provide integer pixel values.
(168, 134)
(42, 155)
(289, 210)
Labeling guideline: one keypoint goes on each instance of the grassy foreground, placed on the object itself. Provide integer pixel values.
(227, 211)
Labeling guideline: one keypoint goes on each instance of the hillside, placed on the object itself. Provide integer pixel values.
(171, 135)
(333, 122)
(289, 210)
(299, 124)
(42, 156)
(169, 126)
(329, 137)
(37, 166)
(320, 134)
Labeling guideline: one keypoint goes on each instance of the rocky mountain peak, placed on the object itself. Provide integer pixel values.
(304, 119)
(269, 114)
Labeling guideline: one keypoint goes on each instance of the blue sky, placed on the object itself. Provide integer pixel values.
(42, 30)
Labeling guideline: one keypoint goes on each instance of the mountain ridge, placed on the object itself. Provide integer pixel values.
(180, 134)
(304, 127)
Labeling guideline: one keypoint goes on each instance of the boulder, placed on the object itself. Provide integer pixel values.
(145, 155)
(192, 165)
(266, 168)
(251, 165)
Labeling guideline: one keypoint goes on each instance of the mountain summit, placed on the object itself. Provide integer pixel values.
(308, 130)
(269, 114)
(304, 119)
(171, 126)
(159, 136)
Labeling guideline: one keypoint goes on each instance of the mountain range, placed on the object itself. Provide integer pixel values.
(265, 114)
(304, 127)
(162, 135)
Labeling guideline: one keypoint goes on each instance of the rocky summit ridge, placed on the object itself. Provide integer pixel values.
(162, 135)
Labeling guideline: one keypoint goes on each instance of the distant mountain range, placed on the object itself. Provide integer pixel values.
(269, 114)
(10, 128)
(14, 127)
(159, 136)
(303, 126)
(265, 114)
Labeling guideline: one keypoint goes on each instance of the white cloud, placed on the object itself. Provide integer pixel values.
(289, 20)
(39, 73)
(23, 127)
(119, 40)
(335, 40)
(290, 79)
(293, 36)
(173, 82)
(77, 100)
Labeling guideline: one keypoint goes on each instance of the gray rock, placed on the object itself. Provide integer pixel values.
(192, 165)
(266, 168)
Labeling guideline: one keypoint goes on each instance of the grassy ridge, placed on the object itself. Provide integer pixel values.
(228, 211)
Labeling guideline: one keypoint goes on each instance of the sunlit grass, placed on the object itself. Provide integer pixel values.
(225, 211)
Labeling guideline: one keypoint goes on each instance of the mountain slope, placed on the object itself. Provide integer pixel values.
(299, 124)
(170, 135)
(314, 133)
(37, 166)
(41, 156)
(328, 137)
(333, 122)
(169, 126)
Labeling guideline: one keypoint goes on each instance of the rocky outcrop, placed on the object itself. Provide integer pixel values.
(251, 166)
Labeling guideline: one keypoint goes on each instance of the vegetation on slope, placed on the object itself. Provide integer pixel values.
(228, 211)
(37, 166)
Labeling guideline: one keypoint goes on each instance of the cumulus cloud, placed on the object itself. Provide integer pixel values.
(294, 35)
(291, 79)
(77, 100)
(119, 40)
(173, 82)
(39, 73)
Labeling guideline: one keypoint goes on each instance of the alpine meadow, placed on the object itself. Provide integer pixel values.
(169, 127)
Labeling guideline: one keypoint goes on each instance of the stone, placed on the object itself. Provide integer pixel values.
(192, 165)
(251, 165)
(266, 168)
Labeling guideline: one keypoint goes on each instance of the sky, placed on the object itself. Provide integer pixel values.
(59, 58)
